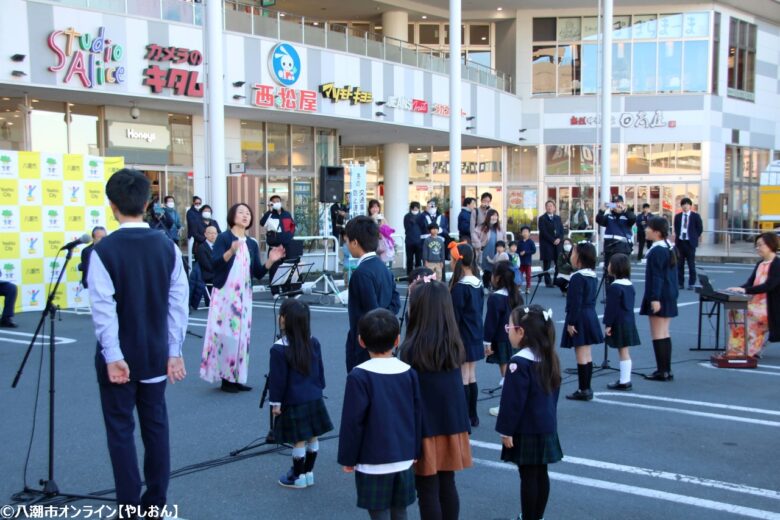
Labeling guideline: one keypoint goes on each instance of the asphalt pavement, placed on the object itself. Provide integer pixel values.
(706, 445)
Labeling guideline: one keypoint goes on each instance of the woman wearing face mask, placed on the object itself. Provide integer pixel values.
(489, 233)
(173, 216)
(565, 268)
(205, 221)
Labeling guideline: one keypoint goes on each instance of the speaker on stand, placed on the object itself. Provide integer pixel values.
(331, 192)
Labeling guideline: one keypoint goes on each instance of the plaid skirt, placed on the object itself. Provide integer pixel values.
(378, 492)
(301, 422)
(623, 335)
(502, 353)
(533, 450)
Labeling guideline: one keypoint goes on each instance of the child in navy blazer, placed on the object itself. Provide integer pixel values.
(619, 319)
(582, 328)
(527, 420)
(468, 302)
(526, 249)
(381, 428)
(505, 298)
(296, 381)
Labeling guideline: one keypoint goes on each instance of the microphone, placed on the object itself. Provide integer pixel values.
(83, 239)
(401, 278)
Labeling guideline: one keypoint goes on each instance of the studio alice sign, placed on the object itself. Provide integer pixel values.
(138, 136)
(94, 59)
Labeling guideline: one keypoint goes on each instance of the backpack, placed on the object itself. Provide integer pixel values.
(515, 263)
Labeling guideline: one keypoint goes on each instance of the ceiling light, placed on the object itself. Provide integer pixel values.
(424, 17)
(517, 149)
(419, 149)
(34, 100)
(499, 8)
(6, 99)
(484, 38)
(71, 104)
(281, 14)
(315, 24)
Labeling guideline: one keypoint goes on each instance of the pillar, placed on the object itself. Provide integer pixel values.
(606, 101)
(455, 117)
(395, 24)
(396, 178)
(216, 175)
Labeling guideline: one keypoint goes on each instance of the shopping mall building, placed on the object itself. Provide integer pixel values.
(696, 104)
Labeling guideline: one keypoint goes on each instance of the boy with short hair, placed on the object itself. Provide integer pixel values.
(501, 254)
(381, 421)
(526, 248)
(433, 251)
(371, 285)
(139, 293)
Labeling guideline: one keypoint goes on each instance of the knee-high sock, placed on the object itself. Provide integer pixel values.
(582, 377)
(467, 391)
(668, 355)
(625, 371)
(588, 374)
(473, 399)
(658, 351)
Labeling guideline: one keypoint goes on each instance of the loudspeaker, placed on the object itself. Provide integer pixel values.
(331, 183)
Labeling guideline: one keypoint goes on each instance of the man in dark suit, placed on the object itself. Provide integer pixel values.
(98, 232)
(138, 292)
(550, 238)
(687, 231)
(412, 238)
(193, 216)
(202, 286)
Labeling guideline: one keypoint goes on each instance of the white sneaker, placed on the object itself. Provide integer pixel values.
(310, 478)
(494, 411)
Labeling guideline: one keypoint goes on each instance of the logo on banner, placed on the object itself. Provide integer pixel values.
(29, 190)
(33, 295)
(77, 293)
(8, 219)
(6, 163)
(95, 216)
(51, 165)
(285, 64)
(74, 193)
(31, 243)
(9, 272)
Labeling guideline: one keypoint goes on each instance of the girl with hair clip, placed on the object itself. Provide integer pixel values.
(582, 328)
(499, 305)
(434, 350)
(468, 300)
(619, 319)
(528, 421)
(659, 303)
(296, 382)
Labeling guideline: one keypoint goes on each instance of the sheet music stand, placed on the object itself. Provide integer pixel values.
(290, 276)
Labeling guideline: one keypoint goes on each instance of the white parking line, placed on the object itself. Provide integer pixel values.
(313, 308)
(648, 472)
(753, 371)
(58, 340)
(597, 397)
(646, 492)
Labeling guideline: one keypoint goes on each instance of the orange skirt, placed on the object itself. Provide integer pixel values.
(444, 453)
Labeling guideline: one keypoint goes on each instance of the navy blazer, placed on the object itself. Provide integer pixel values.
(411, 229)
(526, 409)
(549, 232)
(695, 228)
(288, 386)
(222, 269)
(496, 316)
(464, 223)
(468, 300)
(529, 247)
(620, 303)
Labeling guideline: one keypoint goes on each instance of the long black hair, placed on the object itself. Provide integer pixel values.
(467, 259)
(504, 278)
(539, 336)
(298, 333)
(661, 225)
(432, 342)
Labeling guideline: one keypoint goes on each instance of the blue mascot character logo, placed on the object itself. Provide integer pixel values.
(285, 64)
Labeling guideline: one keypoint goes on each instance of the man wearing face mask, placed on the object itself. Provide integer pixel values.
(430, 216)
(173, 216)
(278, 223)
(617, 221)
(338, 217)
(193, 216)
(205, 221)
(413, 241)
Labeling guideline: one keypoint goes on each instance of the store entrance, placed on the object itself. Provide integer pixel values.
(176, 182)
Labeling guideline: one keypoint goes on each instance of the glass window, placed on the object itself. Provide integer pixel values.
(695, 66)
(643, 74)
(420, 168)
(621, 67)
(327, 147)
(447, 34)
(360, 29)
(522, 209)
(621, 27)
(479, 34)
(696, 25)
(638, 159)
(590, 59)
(490, 165)
(645, 26)
(689, 158)
(590, 28)
(558, 159)
(569, 29)
(410, 33)
(544, 29)
(568, 69)
(469, 166)
(11, 124)
(543, 68)
(181, 140)
(670, 26)
(278, 147)
(481, 57)
(583, 159)
(663, 158)
(84, 130)
(670, 66)
(48, 126)
(522, 164)
(253, 146)
(429, 34)
(302, 149)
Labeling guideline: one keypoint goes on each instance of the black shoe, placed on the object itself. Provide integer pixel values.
(617, 385)
(660, 376)
(680, 286)
(691, 287)
(474, 421)
(242, 388)
(9, 323)
(581, 395)
(229, 387)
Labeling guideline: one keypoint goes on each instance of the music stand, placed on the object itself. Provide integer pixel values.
(539, 277)
(289, 277)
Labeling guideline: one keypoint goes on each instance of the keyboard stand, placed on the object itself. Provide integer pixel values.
(715, 310)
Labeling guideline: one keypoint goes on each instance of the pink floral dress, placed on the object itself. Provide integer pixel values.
(757, 320)
(226, 342)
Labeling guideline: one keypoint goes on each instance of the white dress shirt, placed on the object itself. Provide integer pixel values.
(104, 315)
(684, 223)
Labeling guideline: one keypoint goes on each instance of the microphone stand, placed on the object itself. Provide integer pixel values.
(50, 488)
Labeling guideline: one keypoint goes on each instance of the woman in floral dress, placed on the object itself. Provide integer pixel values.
(763, 313)
(236, 260)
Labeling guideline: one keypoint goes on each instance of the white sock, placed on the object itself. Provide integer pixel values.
(625, 371)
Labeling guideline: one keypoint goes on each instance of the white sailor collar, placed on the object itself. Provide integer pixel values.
(471, 281)
(528, 354)
(659, 243)
(385, 366)
(586, 272)
(623, 281)
(502, 292)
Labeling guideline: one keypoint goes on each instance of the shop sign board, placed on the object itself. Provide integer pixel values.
(93, 59)
(183, 82)
(357, 190)
(627, 120)
(139, 136)
(352, 94)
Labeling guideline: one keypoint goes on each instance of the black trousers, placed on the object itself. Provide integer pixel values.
(8, 291)
(546, 266)
(118, 403)
(686, 253)
(437, 496)
(642, 245)
(413, 257)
